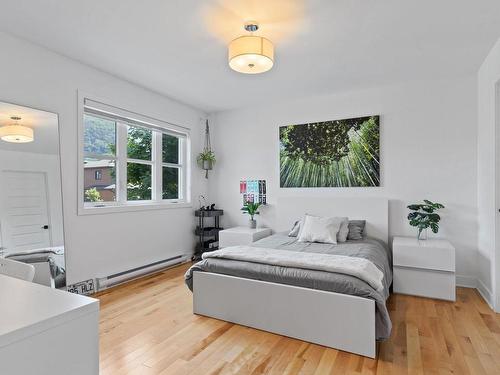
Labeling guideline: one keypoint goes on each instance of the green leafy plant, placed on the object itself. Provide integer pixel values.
(424, 216)
(251, 209)
(92, 195)
(206, 155)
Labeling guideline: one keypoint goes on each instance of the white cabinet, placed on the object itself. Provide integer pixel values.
(424, 268)
(46, 331)
(241, 236)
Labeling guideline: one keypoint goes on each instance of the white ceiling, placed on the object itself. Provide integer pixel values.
(44, 124)
(178, 47)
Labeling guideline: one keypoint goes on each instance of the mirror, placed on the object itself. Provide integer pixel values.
(31, 218)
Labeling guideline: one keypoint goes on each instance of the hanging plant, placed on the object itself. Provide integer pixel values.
(206, 158)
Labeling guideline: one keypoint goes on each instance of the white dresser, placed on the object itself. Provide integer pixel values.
(241, 236)
(46, 331)
(424, 268)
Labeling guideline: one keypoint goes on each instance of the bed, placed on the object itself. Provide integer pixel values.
(49, 265)
(327, 308)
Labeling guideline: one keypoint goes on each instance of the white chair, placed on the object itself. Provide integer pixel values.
(16, 269)
(43, 274)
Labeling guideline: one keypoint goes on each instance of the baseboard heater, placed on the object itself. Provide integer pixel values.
(124, 276)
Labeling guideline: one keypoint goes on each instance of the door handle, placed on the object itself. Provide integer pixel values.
(45, 226)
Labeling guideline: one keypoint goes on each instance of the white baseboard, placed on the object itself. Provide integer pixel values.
(485, 293)
(466, 281)
(472, 282)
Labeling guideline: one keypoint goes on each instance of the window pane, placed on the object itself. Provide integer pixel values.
(170, 145)
(170, 188)
(138, 182)
(139, 143)
(101, 189)
(99, 136)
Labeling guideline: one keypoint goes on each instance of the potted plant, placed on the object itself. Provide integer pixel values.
(424, 216)
(206, 159)
(252, 209)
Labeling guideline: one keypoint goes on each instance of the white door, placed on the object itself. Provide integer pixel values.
(24, 214)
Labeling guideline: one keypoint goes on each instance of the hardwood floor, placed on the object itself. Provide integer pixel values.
(147, 327)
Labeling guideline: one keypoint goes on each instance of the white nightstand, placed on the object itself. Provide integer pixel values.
(241, 236)
(424, 268)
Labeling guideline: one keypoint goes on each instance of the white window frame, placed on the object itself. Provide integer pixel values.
(123, 119)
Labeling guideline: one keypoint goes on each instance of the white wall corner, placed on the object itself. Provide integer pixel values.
(466, 281)
(472, 282)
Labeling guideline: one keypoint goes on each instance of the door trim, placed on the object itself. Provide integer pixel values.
(495, 277)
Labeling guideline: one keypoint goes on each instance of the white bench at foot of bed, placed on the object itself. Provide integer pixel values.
(335, 320)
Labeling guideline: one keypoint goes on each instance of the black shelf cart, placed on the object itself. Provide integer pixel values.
(208, 236)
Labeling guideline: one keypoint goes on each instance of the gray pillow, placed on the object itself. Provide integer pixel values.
(344, 230)
(356, 229)
(294, 232)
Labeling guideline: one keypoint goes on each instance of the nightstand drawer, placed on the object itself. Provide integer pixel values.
(241, 236)
(429, 254)
(425, 283)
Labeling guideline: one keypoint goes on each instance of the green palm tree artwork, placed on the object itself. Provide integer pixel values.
(338, 153)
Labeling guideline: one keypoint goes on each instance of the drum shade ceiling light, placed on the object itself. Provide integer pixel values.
(251, 54)
(16, 133)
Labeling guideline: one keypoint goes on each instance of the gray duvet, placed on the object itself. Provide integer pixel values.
(370, 249)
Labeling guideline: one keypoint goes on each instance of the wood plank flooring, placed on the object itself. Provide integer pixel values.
(147, 327)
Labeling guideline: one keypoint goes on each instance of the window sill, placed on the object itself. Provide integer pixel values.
(131, 207)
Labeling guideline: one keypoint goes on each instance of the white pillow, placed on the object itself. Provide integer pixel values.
(341, 235)
(297, 227)
(320, 229)
(344, 230)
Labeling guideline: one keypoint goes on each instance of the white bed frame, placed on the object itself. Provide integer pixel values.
(335, 320)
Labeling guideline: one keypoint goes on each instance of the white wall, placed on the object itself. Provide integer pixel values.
(488, 77)
(99, 245)
(428, 150)
(48, 164)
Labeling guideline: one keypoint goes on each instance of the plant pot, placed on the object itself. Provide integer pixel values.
(252, 223)
(207, 165)
(422, 235)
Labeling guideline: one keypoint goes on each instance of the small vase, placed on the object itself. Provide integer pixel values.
(422, 235)
(252, 223)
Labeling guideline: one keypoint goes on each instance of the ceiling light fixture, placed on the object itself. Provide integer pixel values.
(251, 54)
(16, 133)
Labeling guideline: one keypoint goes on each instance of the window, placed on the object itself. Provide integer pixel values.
(139, 163)
(130, 160)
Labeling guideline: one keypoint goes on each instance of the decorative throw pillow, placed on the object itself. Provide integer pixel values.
(294, 232)
(344, 230)
(356, 229)
(297, 227)
(320, 229)
(341, 235)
